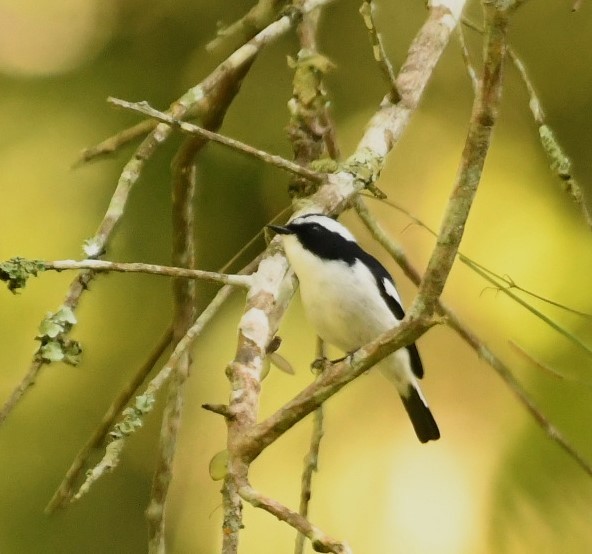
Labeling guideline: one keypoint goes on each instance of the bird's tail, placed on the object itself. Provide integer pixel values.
(420, 415)
(397, 368)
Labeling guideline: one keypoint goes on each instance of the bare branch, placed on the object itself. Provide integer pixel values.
(152, 269)
(277, 161)
(115, 142)
(467, 59)
(311, 460)
(367, 12)
(477, 143)
(320, 541)
(184, 296)
(559, 161)
(145, 402)
(260, 15)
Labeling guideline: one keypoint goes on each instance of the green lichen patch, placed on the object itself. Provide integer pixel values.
(16, 271)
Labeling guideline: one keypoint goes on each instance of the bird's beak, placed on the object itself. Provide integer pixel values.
(280, 230)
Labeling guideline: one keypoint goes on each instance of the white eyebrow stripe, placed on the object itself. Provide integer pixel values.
(391, 290)
(327, 223)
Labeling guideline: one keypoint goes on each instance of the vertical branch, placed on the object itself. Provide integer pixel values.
(483, 118)
(183, 255)
(310, 128)
(312, 133)
(266, 302)
(311, 460)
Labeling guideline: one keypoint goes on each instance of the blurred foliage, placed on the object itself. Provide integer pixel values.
(494, 483)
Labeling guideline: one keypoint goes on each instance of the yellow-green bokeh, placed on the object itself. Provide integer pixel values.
(494, 483)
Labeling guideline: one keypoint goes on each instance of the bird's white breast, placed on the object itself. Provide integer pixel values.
(342, 302)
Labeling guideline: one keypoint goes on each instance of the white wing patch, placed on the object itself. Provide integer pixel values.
(328, 223)
(392, 291)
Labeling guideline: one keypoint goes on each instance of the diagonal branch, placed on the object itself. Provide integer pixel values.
(320, 541)
(454, 322)
(483, 118)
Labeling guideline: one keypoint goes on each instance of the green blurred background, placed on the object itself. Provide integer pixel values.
(493, 483)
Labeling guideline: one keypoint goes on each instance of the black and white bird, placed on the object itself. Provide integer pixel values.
(350, 299)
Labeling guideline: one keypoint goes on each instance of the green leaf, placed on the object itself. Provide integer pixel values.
(219, 465)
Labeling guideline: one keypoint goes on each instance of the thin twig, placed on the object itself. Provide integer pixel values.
(506, 290)
(259, 16)
(271, 159)
(311, 460)
(548, 369)
(559, 161)
(474, 78)
(508, 282)
(367, 12)
(115, 142)
(243, 281)
(320, 541)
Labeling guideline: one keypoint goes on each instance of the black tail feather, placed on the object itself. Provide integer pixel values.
(421, 417)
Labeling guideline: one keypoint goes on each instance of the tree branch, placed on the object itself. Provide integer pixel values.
(473, 341)
(243, 281)
(483, 119)
(271, 159)
(320, 541)
(184, 296)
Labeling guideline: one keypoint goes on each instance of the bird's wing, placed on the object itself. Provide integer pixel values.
(389, 294)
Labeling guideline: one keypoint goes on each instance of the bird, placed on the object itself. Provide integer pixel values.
(349, 298)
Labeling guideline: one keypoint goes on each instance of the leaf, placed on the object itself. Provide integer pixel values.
(219, 465)
(281, 363)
